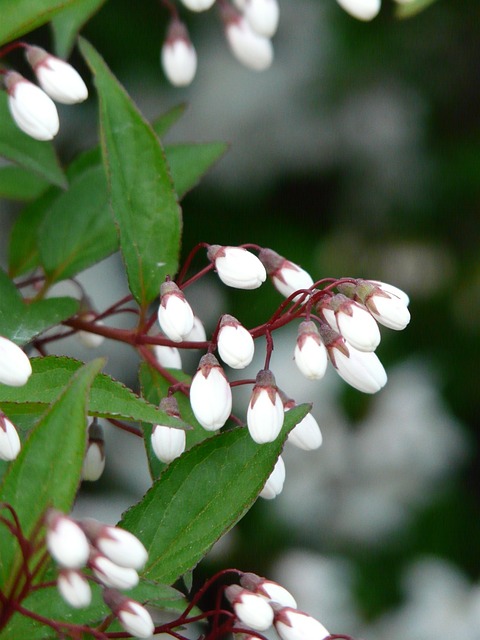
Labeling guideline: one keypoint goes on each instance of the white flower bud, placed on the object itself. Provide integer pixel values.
(310, 353)
(168, 443)
(168, 357)
(66, 542)
(9, 441)
(33, 111)
(198, 5)
(87, 338)
(74, 588)
(94, 462)
(361, 9)
(292, 624)
(235, 343)
(15, 367)
(265, 411)
(250, 609)
(389, 310)
(249, 47)
(56, 77)
(390, 288)
(210, 394)
(262, 16)
(352, 321)
(306, 434)
(237, 267)
(268, 589)
(287, 277)
(134, 618)
(275, 481)
(178, 56)
(197, 334)
(111, 574)
(118, 545)
(175, 315)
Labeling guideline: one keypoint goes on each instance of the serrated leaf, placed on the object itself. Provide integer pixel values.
(141, 192)
(189, 162)
(77, 230)
(410, 9)
(47, 470)
(17, 183)
(202, 495)
(22, 16)
(66, 24)
(31, 154)
(108, 397)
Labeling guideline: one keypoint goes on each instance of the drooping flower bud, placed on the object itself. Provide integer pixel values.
(74, 588)
(9, 441)
(361, 9)
(387, 304)
(362, 370)
(250, 48)
(287, 277)
(197, 334)
(310, 353)
(198, 5)
(57, 78)
(33, 111)
(66, 541)
(250, 609)
(352, 321)
(306, 434)
(265, 411)
(237, 267)
(235, 343)
(210, 394)
(94, 462)
(134, 618)
(118, 545)
(275, 481)
(168, 443)
(15, 367)
(168, 357)
(175, 315)
(262, 15)
(87, 338)
(292, 624)
(112, 574)
(268, 589)
(178, 55)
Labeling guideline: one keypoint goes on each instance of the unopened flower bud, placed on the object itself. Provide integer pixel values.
(118, 545)
(111, 574)
(87, 338)
(197, 334)
(275, 481)
(74, 588)
(168, 357)
(250, 609)
(94, 462)
(249, 47)
(15, 367)
(33, 111)
(387, 304)
(361, 9)
(210, 394)
(175, 315)
(292, 624)
(265, 411)
(262, 15)
(287, 277)
(306, 434)
(198, 5)
(235, 343)
(268, 589)
(168, 443)
(310, 353)
(66, 541)
(134, 618)
(352, 321)
(56, 77)
(9, 441)
(178, 56)
(237, 267)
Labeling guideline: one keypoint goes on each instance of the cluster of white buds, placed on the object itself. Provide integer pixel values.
(32, 107)
(94, 462)
(259, 604)
(113, 555)
(362, 9)
(168, 443)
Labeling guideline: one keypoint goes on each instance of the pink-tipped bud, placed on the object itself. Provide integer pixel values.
(265, 411)
(387, 304)
(250, 48)
(361, 9)
(33, 111)
(175, 315)
(287, 277)
(94, 462)
(74, 588)
(292, 624)
(57, 78)
(111, 574)
(352, 321)
(66, 541)
(273, 487)
(262, 15)
(178, 56)
(118, 545)
(306, 434)
(250, 609)
(237, 267)
(168, 443)
(15, 367)
(310, 353)
(134, 618)
(268, 589)
(235, 343)
(210, 394)
(9, 441)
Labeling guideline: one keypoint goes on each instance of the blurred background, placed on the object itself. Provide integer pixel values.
(356, 154)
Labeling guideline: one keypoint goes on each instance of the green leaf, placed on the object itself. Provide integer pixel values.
(67, 24)
(142, 196)
(189, 162)
(19, 184)
(409, 9)
(200, 496)
(22, 16)
(20, 322)
(78, 230)
(30, 154)
(163, 123)
(108, 397)
(47, 470)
